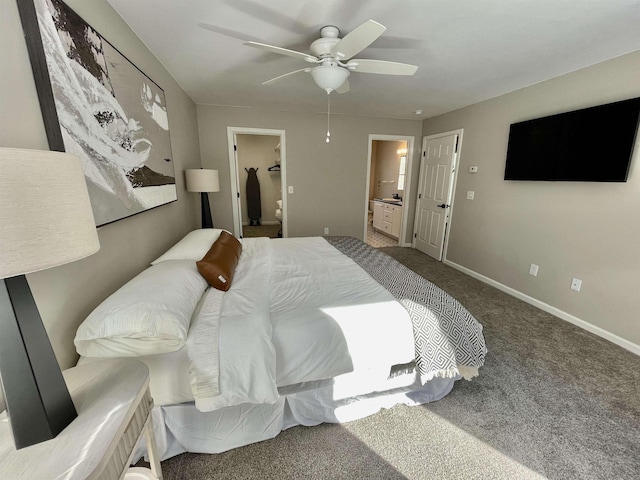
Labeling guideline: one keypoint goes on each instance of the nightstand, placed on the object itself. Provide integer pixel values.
(114, 412)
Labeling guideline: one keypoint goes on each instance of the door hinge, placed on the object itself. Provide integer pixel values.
(235, 148)
(419, 196)
(455, 149)
(415, 235)
(424, 153)
(238, 194)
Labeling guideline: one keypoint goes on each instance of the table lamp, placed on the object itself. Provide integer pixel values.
(203, 180)
(45, 221)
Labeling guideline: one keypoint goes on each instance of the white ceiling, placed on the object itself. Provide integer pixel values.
(467, 50)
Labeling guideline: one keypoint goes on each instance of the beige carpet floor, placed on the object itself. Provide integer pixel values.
(252, 231)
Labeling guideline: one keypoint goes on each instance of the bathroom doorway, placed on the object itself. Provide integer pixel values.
(257, 169)
(388, 185)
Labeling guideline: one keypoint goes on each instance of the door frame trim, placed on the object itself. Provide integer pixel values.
(410, 139)
(452, 193)
(235, 179)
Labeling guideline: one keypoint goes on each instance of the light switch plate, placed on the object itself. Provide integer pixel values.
(576, 284)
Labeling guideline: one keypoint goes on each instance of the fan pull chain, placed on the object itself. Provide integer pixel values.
(328, 117)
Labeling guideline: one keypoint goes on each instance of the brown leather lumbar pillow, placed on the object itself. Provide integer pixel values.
(219, 263)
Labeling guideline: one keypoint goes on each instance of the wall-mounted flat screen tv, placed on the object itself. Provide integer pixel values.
(590, 145)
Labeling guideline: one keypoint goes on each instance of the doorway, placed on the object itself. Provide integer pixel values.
(387, 189)
(257, 166)
(436, 188)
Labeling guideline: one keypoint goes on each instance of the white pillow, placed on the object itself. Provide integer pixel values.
(192, 247)
(148, 315)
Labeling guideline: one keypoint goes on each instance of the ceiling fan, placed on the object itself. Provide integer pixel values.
(334, 57)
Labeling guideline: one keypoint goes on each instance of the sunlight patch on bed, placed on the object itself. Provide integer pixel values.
(378, 335)
(368, 325)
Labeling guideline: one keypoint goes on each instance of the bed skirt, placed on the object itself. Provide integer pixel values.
(182, 428)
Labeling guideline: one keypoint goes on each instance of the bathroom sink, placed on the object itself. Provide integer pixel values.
(392, 200)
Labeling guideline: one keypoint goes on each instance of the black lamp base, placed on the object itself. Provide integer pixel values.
(38, 402)
(207, 221)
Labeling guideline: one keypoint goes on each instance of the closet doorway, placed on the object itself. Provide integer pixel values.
(257, 169)
(388, 190)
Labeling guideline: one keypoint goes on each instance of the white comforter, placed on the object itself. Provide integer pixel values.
(298, 310)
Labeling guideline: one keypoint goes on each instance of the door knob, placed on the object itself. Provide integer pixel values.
(443, 205)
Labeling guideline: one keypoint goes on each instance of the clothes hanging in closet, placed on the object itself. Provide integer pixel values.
(254, 207)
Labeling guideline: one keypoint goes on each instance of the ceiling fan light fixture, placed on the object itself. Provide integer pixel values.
(329, 77)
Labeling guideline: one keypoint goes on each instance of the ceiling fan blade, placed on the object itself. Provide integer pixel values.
(397, 43)
(269, 82)
(362, 65)
(344, 88)
(283, 51)
(357, 40)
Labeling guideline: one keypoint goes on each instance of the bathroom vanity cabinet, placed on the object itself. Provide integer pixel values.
(378, 212)
(387, 218)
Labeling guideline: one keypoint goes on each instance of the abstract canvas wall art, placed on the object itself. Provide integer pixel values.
(99, 106)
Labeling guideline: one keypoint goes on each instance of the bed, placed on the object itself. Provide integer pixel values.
(245, 341)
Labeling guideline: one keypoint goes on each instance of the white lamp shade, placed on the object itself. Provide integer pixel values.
(46, 218)
(202, 180)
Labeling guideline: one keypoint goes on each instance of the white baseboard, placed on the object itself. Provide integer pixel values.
(626, 344)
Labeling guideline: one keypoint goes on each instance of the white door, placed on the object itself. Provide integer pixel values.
(238, 225)
(434, 193)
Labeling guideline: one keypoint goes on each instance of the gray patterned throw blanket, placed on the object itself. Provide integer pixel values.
(449, 341)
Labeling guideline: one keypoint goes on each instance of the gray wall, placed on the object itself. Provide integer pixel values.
(66, 295)
(586, 230)
(329, 180)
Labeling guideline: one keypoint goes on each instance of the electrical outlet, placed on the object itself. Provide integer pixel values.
(576, 284)
(471, 195)
(290, 189)
(326, 230)
(533, 270)
(473, 169)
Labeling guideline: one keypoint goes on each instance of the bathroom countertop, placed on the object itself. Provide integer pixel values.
(390, 201)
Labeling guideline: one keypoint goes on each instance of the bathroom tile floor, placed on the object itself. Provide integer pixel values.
(377, 239)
